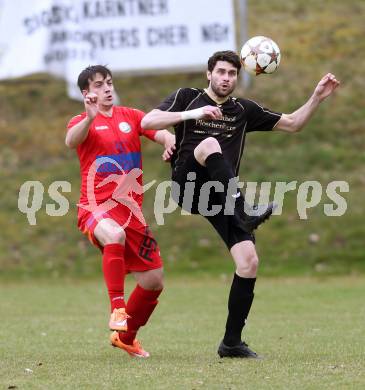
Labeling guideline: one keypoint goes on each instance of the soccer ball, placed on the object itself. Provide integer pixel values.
(260, 55)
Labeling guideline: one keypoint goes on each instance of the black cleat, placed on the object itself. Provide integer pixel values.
(256, 215)
(237, 351)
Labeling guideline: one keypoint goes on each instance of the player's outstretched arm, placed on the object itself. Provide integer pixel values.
(298, 119)
(158, 119)
(167, 140)
(78, 133)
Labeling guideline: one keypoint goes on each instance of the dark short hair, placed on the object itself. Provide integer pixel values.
(89, 73)
(227, 55)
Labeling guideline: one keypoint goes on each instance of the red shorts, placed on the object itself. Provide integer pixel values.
(141, 250)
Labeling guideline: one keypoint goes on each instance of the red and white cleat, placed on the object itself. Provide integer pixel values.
(118, 320)
(134, 350)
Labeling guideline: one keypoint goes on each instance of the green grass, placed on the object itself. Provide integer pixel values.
(310, 331)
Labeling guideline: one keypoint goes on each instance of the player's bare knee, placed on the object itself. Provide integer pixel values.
(109, 233)
(157, 285)
(156, 281)
(253, 263)
(205, 148)
(248, 266)
(151, 280)
(117, 236)
(210, 145)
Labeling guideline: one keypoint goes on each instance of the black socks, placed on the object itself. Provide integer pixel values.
(219, 170)
(239, 305)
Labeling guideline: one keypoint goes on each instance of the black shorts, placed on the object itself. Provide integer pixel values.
(227, 226)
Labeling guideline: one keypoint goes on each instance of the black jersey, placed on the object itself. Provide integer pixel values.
(240, 116)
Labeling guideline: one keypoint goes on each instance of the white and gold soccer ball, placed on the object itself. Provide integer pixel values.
(260, 55)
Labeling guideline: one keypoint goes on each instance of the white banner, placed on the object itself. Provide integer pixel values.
(62, 37)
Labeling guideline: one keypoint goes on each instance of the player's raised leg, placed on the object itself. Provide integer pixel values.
(209, 154)
(111, 236)
(240, 300)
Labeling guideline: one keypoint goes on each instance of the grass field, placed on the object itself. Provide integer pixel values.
(310, 331)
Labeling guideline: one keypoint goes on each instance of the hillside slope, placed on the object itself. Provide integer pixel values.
(315, 37)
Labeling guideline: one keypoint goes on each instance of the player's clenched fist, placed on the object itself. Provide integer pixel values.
(206, 112)
(91, 105)
(212, 112)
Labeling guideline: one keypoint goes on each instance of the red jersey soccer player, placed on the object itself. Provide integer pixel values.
(107, 139)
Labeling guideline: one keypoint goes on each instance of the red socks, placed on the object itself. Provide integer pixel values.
(114, 274)
(141, 302)
(140, 306)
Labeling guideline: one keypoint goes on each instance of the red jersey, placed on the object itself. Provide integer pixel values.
(112, 147)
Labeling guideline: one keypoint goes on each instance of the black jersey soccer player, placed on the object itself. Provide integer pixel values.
(211, 127)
